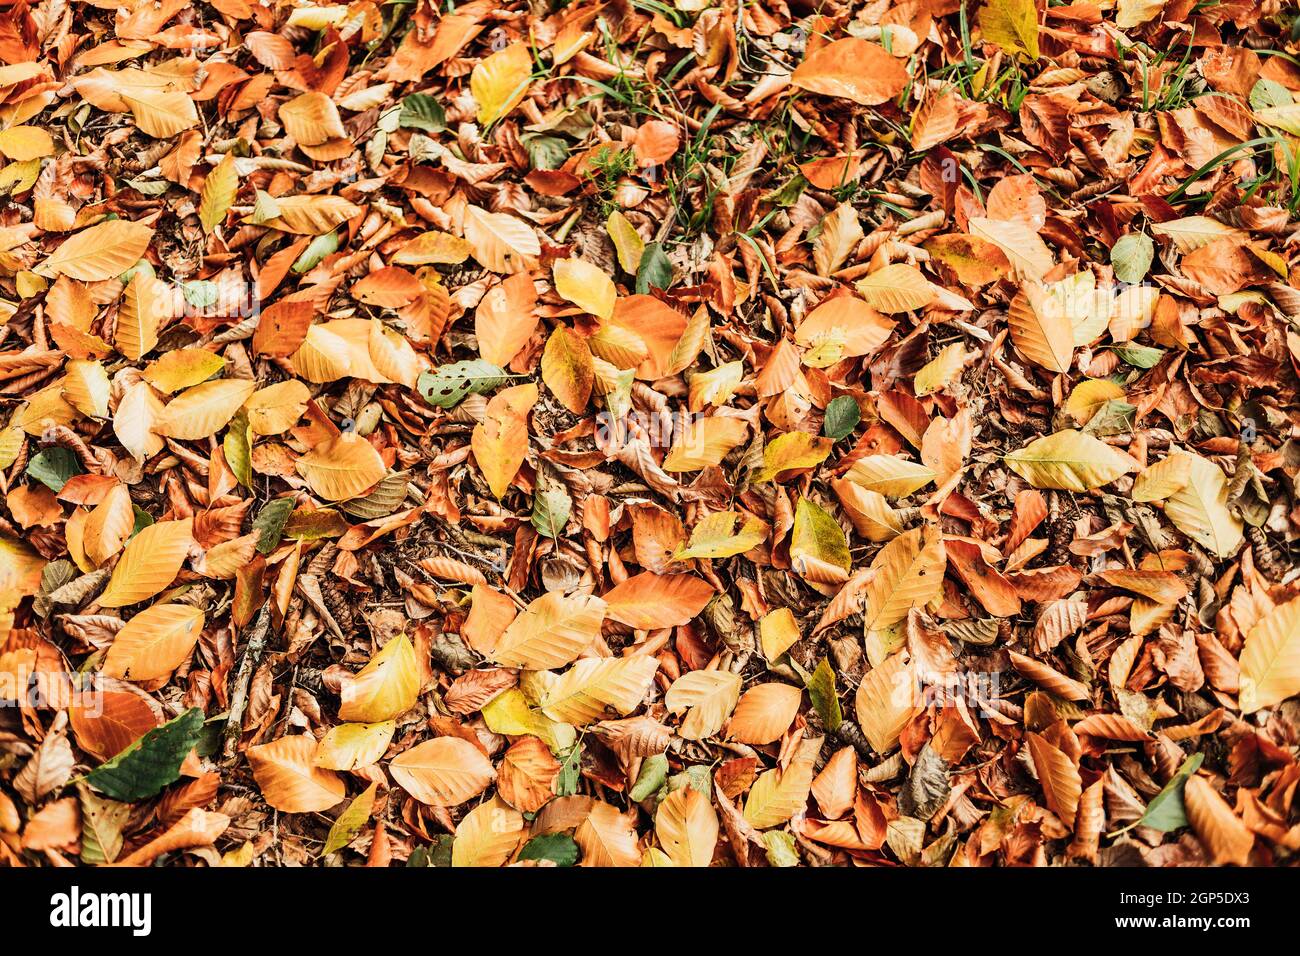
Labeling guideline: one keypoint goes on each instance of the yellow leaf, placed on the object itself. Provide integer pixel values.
(628, 243)
(705, 442)
(432, 248)
(586, 286)
(498, 241)
(20, 568)
(101, 252)
(585, 690)
(312, 215)
(716, 536)
(44, 408)
(312, 119)
(347, 825)
(792, 451)
(551, 632)
(1164, 478)
(778, 794)
(443, 772)
(819, 552)
(288, 779)
(392, 355)
(508, 713)
(500, 441)
(140, 315)
(387, 687)
(109, 525)
(1069, 461)
(11, 443)
(1224, 834)
(940, 371)
(778, 631)
(886, 701)
(608, 838)
(889, 476)
(277, 408)
(487, 835)
(687, 827)
(707, 697)
(182, 368)
(1270, 661)
(841, 231)
(1200, 508)
(568, 370)
(499, 82)
(342, 468)
(896, 288)
(137, 413)
(868, 510)
(218, 195)
(1027, 253)
(204, 409)
(149, 564)
(161, 114)
(1012, 25)
(714, 387)
(1040, 329)
(24, 143)
(154, 643)
(1089, 396)
(1195, 232)
(86, 388)
(909, 573)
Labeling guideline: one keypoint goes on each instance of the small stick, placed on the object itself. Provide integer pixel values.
(243, 677)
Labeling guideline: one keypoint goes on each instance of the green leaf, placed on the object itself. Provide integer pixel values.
(421, 111)
(550, 511)
(200, 293)
(566, 784)
(238, 448)
(270, 522)
(788, 193)
(1166, 811)
(655, 271)
(152, 762)
(654, 771)
(142, 519)
(102, 822)
(1132, 256)
(842, 416)
(446, 385)
(697, 777)
(546, 152)
(387, 497)
(437, 853)
(348, 825)
(320, 247)
(1113, 418)
(1269, 93)
(53, 467)
(781, 849)
(821, 690)
(1139, 356)
(560, 848)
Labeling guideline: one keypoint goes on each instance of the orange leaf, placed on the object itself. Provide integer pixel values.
(289, 779)
(651, 600)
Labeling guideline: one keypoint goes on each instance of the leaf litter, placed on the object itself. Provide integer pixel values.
(670, 434)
